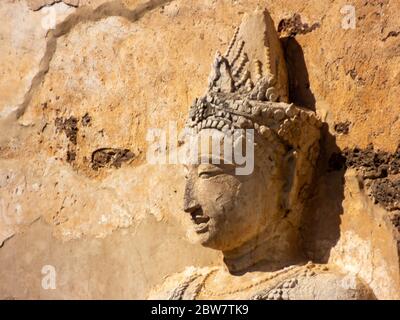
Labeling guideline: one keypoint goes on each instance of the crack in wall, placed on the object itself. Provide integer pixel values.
(3, 242)
(36, 5)
(82, 14)
(6, 239)
(393, 34)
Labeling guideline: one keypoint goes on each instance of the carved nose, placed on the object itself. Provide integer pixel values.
(190, 203)
(190, 206)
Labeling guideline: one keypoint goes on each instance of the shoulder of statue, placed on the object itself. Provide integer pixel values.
(174, 286)
(331, 283)
(317, 282)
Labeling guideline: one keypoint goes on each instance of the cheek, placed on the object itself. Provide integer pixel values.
(217, 195)
(250, 204)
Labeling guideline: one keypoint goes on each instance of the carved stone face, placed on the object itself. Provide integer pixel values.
(226, 209)
(248, 90)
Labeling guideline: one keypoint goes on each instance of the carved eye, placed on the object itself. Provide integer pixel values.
(208, 171)
(206, 175)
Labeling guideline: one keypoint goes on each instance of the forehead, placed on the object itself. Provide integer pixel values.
(209, 145)
(221, 148)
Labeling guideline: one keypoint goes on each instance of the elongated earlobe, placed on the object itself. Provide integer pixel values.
(289, 170)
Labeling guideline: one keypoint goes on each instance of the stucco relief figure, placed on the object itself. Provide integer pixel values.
(254, 219)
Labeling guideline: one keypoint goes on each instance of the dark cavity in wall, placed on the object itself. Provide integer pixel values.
(379, 169)
(110, 157)
(69, 127)
(86, 120)
(71, 156)
(342, 127)
(290, 27)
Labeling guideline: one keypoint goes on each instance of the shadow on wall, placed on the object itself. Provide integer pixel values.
(299, 84)
(321, 219)
(344, 225)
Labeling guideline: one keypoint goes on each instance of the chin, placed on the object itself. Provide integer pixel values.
(209, 241)
(206, 239)
(203, 238)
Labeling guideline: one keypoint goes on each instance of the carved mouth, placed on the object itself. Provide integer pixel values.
(200, 220)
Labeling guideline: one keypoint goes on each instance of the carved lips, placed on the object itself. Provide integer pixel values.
(200, 220)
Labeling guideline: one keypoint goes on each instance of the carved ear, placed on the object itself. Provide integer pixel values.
(290, 174)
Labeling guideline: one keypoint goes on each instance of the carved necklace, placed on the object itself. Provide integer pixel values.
(202, 284)
(180, 291)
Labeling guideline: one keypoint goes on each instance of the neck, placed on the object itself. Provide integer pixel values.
(269, 251)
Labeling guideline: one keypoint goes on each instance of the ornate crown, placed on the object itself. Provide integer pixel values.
(248, 89)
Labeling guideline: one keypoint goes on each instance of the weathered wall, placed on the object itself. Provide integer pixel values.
(108, 72)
